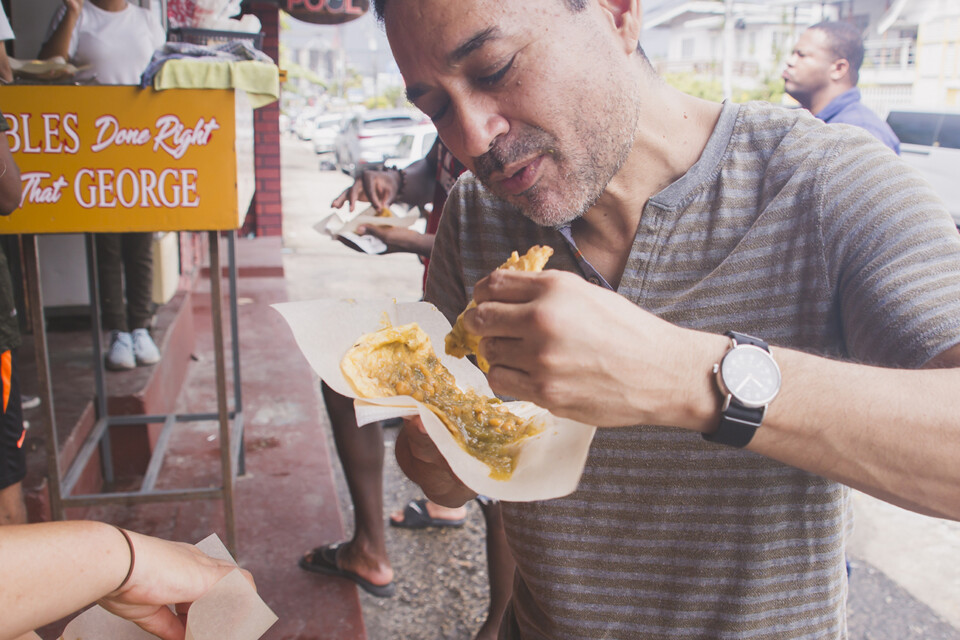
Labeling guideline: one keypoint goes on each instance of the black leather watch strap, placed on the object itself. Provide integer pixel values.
(738, 423)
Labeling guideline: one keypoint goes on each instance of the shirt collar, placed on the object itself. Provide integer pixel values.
(838, 104)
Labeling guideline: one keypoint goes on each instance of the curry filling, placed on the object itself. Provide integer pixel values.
(401, 361)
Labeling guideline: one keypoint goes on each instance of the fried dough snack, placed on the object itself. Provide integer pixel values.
(386, 212)
(400, 361)
(458, 342)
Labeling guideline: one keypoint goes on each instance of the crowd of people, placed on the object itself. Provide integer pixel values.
(758, 306)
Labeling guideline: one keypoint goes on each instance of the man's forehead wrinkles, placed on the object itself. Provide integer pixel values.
(455, 57)
(472, 44)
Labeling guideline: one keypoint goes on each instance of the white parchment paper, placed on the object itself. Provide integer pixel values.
(343, 221)
(549, 464)
(230, 610)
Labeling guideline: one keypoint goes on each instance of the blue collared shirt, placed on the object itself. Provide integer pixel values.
(846, 108)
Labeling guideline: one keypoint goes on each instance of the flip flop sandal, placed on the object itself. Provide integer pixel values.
(416, 516)
(323, 560)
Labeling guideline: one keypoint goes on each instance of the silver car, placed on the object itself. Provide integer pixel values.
(930, 142)
(325, 131)
(367, 138)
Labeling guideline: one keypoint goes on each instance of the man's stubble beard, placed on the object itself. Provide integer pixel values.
(582, 174)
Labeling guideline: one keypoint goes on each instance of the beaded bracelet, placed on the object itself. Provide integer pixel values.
(126, 536)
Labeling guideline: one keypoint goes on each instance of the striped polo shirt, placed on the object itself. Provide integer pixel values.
(811, 236)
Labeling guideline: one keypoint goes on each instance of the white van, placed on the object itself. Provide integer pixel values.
(930, 142)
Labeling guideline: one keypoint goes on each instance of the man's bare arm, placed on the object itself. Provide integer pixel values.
(894, 434)
(586, 353)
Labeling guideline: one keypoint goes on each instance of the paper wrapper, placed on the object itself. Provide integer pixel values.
(231, 609)
(549, 464)
(338, 222)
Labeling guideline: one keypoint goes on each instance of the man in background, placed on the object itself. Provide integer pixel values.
(822, 74)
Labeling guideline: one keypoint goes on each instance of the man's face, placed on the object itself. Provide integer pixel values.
(532, 98)
(809, 66)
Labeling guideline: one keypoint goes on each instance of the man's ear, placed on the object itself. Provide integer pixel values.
(839, 69)
(626, 17)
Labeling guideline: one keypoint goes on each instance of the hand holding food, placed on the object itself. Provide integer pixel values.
(459, 342)
(585, 353)
(420, 459)
(379, 188)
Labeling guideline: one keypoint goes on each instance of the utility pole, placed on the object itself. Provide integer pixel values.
(728, 50)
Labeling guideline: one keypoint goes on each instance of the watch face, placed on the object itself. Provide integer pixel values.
(751, 375)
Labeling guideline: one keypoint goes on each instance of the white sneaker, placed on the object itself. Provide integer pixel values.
(120, 356)
(144, 348)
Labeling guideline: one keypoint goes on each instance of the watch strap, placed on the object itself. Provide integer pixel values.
(738, 423)
(742, 338)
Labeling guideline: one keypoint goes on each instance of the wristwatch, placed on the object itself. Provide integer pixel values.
(749, 380)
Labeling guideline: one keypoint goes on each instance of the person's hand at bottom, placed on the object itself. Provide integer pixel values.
(165, 572)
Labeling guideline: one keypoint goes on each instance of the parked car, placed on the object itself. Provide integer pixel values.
(930, 142)
(302, 124)
(367, 138)
(413, 145)
(326, 128)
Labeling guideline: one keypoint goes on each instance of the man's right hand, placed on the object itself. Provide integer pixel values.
(379, 188)
(422, 462)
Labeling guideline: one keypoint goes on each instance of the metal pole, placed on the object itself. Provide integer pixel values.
(234, 322)
(226, 464)
(96, 329)
(41, 354)
(235, 344)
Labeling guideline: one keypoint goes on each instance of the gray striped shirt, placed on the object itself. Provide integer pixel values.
(811, 236)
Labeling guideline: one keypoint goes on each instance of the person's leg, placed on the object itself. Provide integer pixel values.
(113, 309)
(137, 250)
(13, 467)
(500, 567)
(361, 454)
(113, 314)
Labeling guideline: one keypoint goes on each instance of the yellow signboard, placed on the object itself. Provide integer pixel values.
(105, 159)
